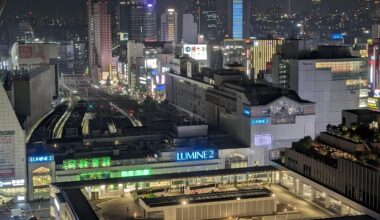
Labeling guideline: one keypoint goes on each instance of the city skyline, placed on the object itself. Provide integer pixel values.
(45, 7)
(189, 109)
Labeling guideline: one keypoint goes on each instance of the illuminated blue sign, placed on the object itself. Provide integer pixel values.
(336, 36)
(207, 154)
(160, 88)
(247, 111)
(40, 159)
(154, 72)
(237, 19)
(260, 121)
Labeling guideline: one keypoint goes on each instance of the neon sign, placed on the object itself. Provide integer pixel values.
(40, 159)
(260, 121)
(247, 111)
(207, 154)
(337, 36)
(132, 173)
(86, 163)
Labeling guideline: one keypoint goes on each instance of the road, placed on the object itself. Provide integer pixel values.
(306, 209)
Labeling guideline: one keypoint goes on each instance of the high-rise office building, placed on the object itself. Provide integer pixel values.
(375, 31)
(262, 53)
(169, 25)
(316, 7)
(377, 8)
(99, 40)
(137, 20)
(208, 19)
(190, 30)
(239, 21)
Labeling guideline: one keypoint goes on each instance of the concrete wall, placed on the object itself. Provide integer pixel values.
(187, 94)
(214, 210)
(330, 95)
(33, 97)
(345, 145)
(351, 179)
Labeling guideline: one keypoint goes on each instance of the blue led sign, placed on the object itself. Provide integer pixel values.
(160, 88)
(207, 154)
(337, 36)
(40, 159)
(260, 121)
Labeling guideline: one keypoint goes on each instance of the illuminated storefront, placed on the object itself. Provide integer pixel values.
(40, 175)
(343, 66)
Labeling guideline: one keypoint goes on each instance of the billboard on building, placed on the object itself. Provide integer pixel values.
(196, 51)
(7, 154)
(25, 52)
(263, 140)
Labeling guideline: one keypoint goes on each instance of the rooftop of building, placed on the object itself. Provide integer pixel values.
(158, 177)
(362, 112)
(261, 94)
(325, 52)
(78, 203)
(25, 74)
(207, 197)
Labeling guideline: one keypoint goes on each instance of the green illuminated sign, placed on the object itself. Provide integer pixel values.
(87, 163)
(132, 173)
(94, 175)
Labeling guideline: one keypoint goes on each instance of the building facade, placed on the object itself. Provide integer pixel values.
(137, 20)
(99, 40)
(262, 54)
(351, 179)
(169, 25)
(13, 152)
(334, 84)
(239, 21)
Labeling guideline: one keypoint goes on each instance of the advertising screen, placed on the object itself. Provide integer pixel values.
(263, 140)
(151, 63)
(196, 51)
(25, 52)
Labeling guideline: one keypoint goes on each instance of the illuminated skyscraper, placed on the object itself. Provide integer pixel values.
(99, 40)
(239, 21)
(169, 25)
(262, 53)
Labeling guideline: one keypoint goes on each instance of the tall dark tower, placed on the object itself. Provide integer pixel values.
(316, 7)
(137, 19)
(206, 15)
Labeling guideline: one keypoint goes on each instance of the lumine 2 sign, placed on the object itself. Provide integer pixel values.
(207, 154)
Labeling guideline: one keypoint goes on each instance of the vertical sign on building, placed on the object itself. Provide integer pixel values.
(7, 154)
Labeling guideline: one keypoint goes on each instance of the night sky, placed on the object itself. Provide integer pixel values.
(77, 7)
